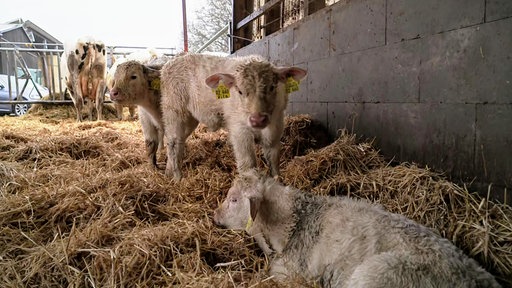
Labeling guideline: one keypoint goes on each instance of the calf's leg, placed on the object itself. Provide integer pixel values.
(152, 137)
(177, 129)
(271, 146)
(243, 148)
(100, 96)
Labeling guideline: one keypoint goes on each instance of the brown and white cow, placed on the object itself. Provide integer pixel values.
(85, 69)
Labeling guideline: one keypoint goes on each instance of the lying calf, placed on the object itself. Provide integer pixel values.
(340, 242)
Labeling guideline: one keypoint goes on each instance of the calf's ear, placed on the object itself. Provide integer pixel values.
(151, 73)
(255, 206)
(214, 80)
(294, 72)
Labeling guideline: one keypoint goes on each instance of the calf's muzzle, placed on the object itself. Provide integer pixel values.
(258, 120)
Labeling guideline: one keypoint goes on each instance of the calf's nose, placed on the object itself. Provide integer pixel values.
(216, 218)
(258, 120)
(114, 94)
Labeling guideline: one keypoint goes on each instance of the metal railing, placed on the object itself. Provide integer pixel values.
(45, 58)
(222, 32)
(13, 61)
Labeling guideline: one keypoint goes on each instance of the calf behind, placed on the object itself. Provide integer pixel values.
(138, 84)
(340, 242)
(149, 58)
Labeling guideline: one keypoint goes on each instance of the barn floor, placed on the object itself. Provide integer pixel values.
(80, 206)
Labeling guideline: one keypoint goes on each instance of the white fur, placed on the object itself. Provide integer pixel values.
(187, 100)
(341, 242)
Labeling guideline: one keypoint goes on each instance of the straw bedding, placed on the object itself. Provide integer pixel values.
(80, 206)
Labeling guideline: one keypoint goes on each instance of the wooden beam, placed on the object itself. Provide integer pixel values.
(239, 36)
(257, 13)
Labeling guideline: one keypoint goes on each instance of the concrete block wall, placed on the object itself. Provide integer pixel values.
(431, 81)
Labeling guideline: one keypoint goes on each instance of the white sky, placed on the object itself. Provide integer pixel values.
(146, 23)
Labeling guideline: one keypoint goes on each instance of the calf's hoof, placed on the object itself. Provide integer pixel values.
(176, 176)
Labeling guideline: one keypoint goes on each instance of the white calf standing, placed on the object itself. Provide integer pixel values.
(148, 57)
(137, 84)
(250, 101)
(340, 242)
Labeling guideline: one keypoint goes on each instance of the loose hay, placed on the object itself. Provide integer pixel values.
(53, 113)
(344, 156)
(80, 207)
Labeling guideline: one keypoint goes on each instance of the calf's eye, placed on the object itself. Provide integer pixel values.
(133, 77)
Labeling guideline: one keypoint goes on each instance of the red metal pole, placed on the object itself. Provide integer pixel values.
(185, 36)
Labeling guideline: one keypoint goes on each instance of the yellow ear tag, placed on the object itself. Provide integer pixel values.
(292, 85)
(222, 91)
(155, 84)
(249, 224)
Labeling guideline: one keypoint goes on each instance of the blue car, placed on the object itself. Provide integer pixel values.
(30, 93)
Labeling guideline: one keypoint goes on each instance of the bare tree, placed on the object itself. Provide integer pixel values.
(206, 22)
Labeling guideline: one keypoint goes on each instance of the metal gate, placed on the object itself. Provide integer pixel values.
(34, 64)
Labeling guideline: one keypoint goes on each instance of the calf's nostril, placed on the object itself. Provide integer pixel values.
(258, 120)
(216, 218)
